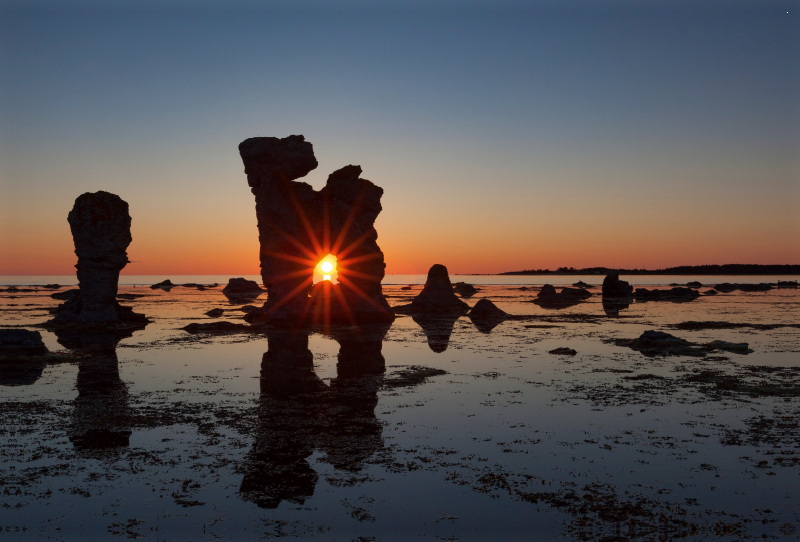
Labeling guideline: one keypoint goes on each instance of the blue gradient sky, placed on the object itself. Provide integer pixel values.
(644, 135)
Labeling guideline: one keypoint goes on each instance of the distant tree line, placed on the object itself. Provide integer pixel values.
(726, 269)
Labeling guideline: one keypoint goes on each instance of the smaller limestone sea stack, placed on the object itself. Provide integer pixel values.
(101, 230)
(613, 287)
(437, 295)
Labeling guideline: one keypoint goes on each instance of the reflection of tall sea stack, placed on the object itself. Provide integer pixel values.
(101, 230)
(298, 226)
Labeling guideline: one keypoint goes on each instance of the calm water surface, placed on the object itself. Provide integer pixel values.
(429, 428)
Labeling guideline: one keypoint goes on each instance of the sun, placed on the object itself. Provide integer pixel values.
(326, 267)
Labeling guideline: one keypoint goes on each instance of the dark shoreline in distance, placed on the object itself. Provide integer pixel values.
(727, 269)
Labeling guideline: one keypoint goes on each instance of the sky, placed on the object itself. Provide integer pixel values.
(506, 135)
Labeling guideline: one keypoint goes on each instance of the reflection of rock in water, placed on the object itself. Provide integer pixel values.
(612, 305)
(298, 413)
(100, 417)
(437, 327)
(22, 373)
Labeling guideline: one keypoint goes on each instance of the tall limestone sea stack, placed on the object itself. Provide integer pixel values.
(298, 226)
(101, 230)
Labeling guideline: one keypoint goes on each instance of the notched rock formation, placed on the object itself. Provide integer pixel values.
(298, 226)
(101, 230)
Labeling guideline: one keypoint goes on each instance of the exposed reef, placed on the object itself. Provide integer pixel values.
(101, 230)
(298, 226)
(657, 343)
(727, 287)
(674, 294)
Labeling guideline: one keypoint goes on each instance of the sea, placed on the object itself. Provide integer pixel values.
(553, 423)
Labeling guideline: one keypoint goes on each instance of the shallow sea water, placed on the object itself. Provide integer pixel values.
(428, 428)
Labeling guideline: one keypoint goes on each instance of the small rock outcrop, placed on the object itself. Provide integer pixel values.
(485, 315)
(549, 298)
(437, 295)
(465, 290)
(215, 313)
(581, 284)
(242, 286)
(101, 230)
(613, 287)
(21, 342)
(164, 285)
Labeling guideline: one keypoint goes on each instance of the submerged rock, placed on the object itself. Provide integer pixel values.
(215, 313)
(712, 291)
(613, 287)
(101, 230)
(298, 226)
